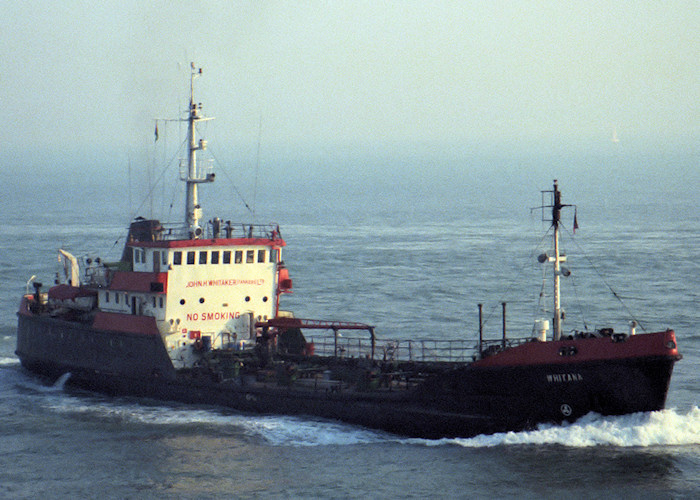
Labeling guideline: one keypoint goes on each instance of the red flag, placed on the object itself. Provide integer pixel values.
(575, 221)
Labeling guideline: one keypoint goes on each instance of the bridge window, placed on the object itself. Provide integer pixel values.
(164, 257)
(239, 256)
(203, 257)
(106, 296)
(261, 255)
(190, 258)
(215, 257)
(250, 256)
(227, 256)
(177, 258)
(273, 255)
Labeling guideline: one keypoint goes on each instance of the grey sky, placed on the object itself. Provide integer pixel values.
(90, 76)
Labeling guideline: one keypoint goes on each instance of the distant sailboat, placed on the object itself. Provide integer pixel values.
(614, 136)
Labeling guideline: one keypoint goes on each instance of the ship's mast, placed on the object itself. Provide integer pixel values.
(193, 212)
(557, 260)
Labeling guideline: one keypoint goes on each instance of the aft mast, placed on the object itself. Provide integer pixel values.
(194, 175)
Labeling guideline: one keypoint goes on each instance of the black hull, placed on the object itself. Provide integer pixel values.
(463, 401)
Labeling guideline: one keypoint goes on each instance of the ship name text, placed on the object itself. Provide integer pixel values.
(564, 377)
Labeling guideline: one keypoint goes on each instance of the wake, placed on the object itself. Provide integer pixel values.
(659, 428)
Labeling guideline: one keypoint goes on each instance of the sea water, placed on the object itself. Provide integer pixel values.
(413, 255)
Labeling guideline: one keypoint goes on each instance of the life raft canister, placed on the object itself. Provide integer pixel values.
(285, 282)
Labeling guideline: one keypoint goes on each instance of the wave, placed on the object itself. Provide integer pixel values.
(273, 429)
(659, 428)
(7, 361)
(297, 432)
(32, 384)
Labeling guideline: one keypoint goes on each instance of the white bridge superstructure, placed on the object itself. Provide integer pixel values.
(198, 287)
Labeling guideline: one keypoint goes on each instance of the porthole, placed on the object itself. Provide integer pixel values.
(182, 302)
(247, 299)
(264, 299)
(201, 300)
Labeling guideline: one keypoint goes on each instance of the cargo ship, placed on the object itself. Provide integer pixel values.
(192, 313)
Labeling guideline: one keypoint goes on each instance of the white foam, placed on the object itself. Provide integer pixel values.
(276, 430)
(36, 385)
(61, 381)
(660, 428)
(6, 361)
(298, 432)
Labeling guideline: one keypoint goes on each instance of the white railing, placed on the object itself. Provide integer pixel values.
(395, 350)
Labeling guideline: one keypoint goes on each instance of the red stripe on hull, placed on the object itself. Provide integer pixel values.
(582, 350)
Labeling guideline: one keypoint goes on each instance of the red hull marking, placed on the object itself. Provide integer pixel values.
(129, 323)
(131, 281)
(595, 349)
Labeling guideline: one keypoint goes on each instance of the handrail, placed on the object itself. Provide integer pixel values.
(224, 229)
(395, 350)
(284, 323)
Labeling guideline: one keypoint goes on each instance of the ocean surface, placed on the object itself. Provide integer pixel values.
(414, 255)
